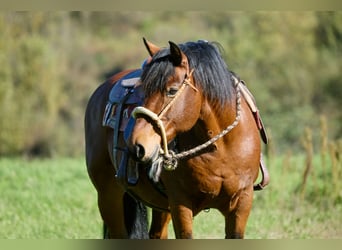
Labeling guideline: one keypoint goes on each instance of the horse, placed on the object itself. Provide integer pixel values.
(195, 102)
(178, 156)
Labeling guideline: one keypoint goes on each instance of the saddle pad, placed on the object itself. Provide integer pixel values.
(124, 85)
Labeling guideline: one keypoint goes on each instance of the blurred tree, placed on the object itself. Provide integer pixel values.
(30, 91)
(51, 62)
(327, 98)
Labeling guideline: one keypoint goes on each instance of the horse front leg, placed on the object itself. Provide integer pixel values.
(239, 209)
(182, 218)
(159, 225)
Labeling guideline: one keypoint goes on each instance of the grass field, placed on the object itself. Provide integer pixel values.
(53, 198)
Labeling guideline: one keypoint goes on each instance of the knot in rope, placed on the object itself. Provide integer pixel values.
(167, 161)
(170, 161)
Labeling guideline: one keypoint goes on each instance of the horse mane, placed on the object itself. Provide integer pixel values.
(211, 73)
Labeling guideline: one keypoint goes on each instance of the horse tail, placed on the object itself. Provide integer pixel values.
(135, 218)
(105, 232)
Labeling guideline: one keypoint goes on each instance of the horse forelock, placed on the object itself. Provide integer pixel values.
(157, 72)
(211, 73)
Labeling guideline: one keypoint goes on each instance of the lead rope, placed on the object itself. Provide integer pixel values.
(168, 159)
(176, 157)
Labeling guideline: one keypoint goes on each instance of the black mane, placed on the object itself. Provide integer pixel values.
(211, 73)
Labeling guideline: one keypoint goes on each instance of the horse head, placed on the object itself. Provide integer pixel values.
(172, 102)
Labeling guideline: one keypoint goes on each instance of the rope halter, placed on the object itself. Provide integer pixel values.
(168, 159)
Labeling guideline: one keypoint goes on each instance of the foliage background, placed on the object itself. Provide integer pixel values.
(51, 62)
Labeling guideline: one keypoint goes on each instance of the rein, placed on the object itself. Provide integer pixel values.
(168, 159)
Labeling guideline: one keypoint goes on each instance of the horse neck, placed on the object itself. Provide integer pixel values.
(212, 121)
(216, 118)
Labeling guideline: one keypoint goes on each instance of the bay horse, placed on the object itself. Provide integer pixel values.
(193, 144)
(193, 100)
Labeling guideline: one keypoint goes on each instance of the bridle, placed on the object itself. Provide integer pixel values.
(186, 82)
(168, 159)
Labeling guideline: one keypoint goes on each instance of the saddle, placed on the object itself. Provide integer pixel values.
(255, 111)
(125, 96)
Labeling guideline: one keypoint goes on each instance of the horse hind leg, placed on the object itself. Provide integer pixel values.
(123, 216)
(112, 212)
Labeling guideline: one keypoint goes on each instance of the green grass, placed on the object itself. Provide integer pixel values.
(47, 199)
(54, 198)
(281, 212)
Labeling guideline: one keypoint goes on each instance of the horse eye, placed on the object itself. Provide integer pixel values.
(171, 92)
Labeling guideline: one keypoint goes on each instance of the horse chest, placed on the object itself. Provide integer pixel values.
(208, 181)
(210, 187)
(204, 181)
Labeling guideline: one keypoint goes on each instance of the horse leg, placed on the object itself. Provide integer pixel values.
(239, 210)
(159, 224)
(110, 204)
(110, 195)
(182, 217)
(123, 216)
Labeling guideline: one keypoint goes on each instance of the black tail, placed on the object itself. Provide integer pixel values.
(105, 232)
(135, 218)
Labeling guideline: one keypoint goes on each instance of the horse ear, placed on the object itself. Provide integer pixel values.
(175, 53)
(151, 48)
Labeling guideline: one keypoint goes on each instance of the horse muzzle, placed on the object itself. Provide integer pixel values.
(141, 154)
(144, 141)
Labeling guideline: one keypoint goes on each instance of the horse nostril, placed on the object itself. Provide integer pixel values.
(139, 151)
